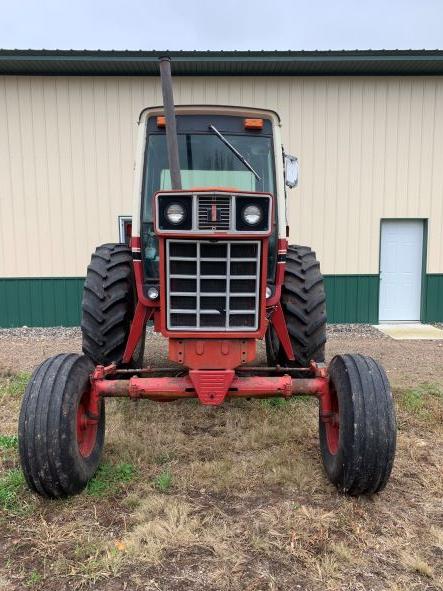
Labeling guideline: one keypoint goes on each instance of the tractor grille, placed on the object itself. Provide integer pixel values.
(213, 285)
(214, 212)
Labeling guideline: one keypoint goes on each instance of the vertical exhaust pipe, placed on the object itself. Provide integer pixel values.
(171, 128)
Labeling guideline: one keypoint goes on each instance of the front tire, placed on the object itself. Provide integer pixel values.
(358, 441)
(59, 449)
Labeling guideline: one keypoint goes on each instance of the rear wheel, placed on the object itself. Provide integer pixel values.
(60, 446)
(109, 299)
(303, 303)
(358, 439)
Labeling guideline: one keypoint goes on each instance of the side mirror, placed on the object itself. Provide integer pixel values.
(291, 171)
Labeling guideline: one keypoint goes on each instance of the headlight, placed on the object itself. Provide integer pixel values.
(252, 214)
(153, 293)
(175, 213)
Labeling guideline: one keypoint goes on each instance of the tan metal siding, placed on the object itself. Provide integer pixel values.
(368, 147)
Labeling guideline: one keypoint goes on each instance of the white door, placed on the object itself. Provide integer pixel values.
(400, 270)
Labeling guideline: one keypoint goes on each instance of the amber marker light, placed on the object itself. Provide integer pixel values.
(253, 123)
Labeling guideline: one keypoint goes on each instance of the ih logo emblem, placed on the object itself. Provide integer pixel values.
(213, 213)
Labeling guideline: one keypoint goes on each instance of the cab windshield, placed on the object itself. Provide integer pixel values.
(205, 161)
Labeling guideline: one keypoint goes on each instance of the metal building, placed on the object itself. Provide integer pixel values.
(367, 127)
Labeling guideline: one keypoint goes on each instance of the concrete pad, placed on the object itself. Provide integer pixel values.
(406, 331)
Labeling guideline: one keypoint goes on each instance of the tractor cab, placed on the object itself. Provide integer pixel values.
(221, 154)
(209, 250)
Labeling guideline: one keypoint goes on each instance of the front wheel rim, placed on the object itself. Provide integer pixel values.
(86, 427)
(332, 426)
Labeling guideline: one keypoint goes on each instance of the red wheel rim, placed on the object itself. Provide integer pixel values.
(333, 423)
(86, 428)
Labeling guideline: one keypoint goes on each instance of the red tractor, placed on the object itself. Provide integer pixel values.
(210, 266)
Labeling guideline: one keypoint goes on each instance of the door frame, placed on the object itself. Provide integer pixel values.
(424, 261)
(121, 226)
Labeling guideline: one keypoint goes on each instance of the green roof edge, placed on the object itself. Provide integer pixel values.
(110, 62)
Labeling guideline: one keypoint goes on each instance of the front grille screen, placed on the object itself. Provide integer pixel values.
(212, 286)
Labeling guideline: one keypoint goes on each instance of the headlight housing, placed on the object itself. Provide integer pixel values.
(252, 215)
(175, 213)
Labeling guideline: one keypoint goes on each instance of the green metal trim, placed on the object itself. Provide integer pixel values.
(433, 311)
(40, 301)
(56, 301)
(217, 57)
(352, 298)
(223, 63)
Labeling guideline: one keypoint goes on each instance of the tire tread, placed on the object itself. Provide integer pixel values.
(44, 442)
(108, 304)
(304, 305)
(365, 457)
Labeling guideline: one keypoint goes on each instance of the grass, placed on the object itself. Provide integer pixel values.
(275, 402)
(163, 481)
(12, 483)
(229, 498)
(424, 401)
(14, 385)
(34, 579)
(109, 478)
(8, 441)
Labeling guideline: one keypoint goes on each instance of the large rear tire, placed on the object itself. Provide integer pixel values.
(109, 299)
(60, 449)
(358, 442)
(303, 303)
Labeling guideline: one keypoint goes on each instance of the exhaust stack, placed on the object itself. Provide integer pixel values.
(171, 128)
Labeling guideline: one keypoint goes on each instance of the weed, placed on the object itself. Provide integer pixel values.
(275, 402)
(414, 400)
(14, 385)
(430, 389)
(109, 477)
(33, 579)
(8, 441)
(280, 402)
(11, 484)
(163, 481)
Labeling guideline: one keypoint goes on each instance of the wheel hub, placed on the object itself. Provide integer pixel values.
(332, 422)
(86, 427)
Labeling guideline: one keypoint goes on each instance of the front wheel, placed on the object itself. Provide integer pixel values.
(358, 438)
(60, 446)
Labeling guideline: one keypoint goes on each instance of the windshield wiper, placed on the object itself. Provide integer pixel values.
(234, 151)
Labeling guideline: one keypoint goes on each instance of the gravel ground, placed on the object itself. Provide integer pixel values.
(61, 332)
(407, 362)
(38, 334)
(21, 349)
